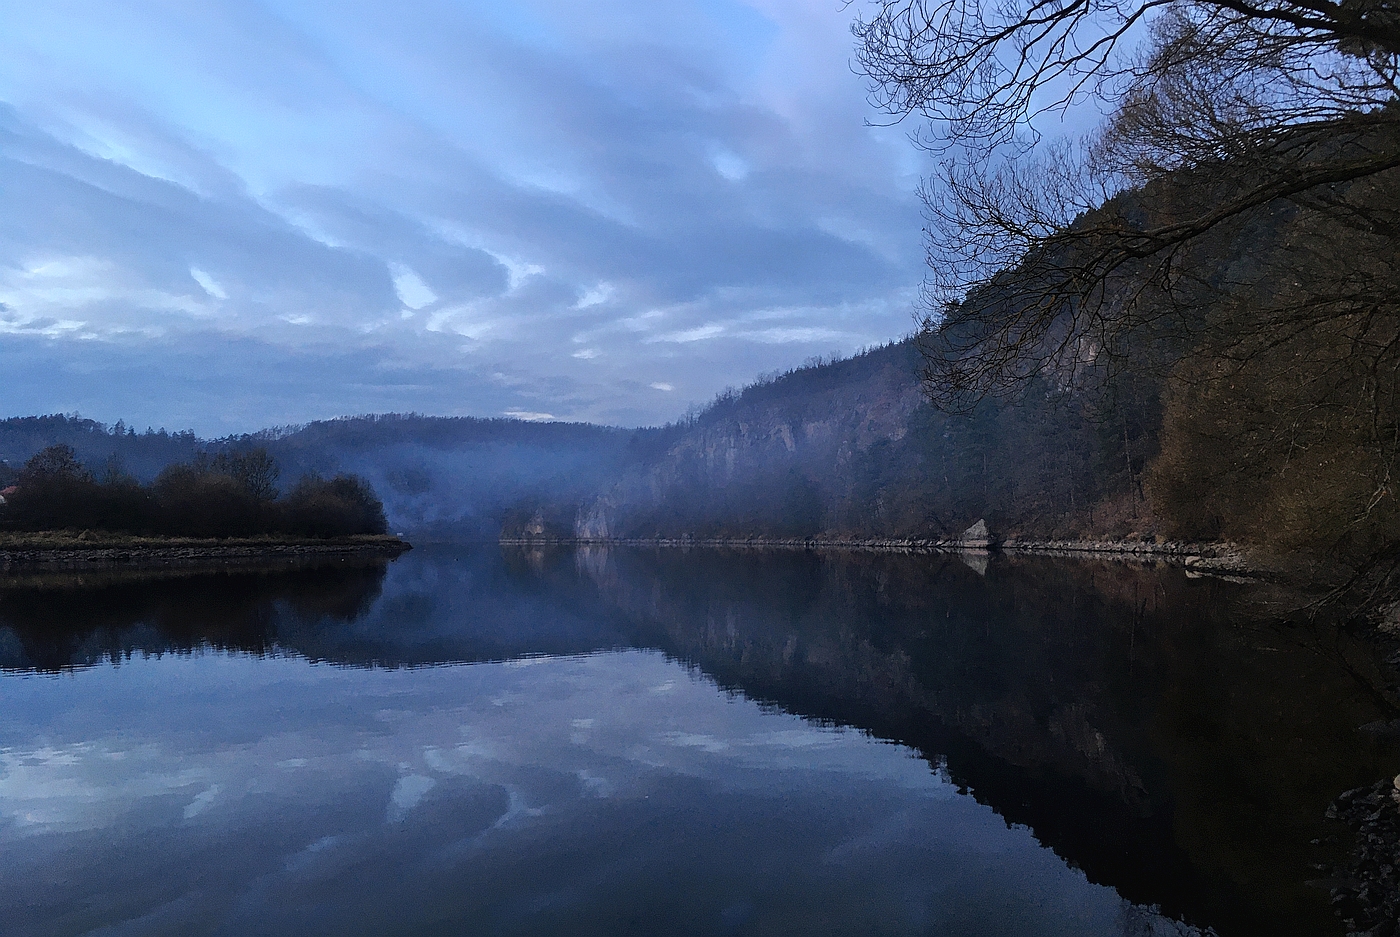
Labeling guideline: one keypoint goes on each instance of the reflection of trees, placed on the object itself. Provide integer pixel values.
(60, 621)
(1131, 717)
(1135, 720)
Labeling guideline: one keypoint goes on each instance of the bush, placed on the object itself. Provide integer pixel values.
(195, 503)
(1292, 448)
(55, 492)
(336, 507)
(231, 495)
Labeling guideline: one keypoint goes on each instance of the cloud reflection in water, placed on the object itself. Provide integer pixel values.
(225, 793)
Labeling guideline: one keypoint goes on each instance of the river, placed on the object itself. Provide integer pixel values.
(484, 740)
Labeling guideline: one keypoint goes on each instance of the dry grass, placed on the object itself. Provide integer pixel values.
(107, 540)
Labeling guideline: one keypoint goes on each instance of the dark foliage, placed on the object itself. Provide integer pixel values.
(230, 495)
(334, 507)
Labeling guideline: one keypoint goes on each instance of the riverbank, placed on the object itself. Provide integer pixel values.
(1215, 558)
(1366, 888)
(88, 550)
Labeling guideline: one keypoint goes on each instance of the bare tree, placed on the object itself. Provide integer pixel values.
(1231, 228)
(1065, 257)
(255, 470)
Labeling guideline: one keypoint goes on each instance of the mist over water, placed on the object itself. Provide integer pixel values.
(617, 741)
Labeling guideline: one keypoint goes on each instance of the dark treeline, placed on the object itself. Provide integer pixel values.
(310, 446)
(373, 431)
(142, 453)
(230, 494)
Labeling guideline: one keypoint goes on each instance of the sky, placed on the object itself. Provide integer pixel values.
(222, 215)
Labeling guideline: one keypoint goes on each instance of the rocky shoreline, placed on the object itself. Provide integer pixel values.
(75, 554)
(1203, 557)
(1366, 887)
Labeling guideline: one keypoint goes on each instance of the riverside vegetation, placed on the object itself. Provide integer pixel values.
(232, 494)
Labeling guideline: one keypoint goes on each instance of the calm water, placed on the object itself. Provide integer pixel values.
(474, 741)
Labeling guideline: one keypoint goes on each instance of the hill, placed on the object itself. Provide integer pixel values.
(852, 448)
(439, 477)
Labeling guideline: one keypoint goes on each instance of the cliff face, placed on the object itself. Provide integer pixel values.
(776, 458)
(853, 449)
(818, 424)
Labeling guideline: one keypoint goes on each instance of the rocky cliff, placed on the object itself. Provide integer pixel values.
(852, 448)
(778, 457)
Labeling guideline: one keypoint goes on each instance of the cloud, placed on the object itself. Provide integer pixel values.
(449, 191)
(209, 284)
(595, 295)
(729, 165)
(413, 292)
(698, 334)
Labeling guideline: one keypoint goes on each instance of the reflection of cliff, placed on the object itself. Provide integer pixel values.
(1113, 709)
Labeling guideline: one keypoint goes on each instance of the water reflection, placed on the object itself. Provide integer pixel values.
(588, 776)
(1148, 727)
(57, 621)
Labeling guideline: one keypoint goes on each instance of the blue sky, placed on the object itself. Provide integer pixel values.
(226, 215)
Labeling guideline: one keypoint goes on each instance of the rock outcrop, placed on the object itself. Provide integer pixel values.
(977, 535)
(592, 521)
(1366, 890)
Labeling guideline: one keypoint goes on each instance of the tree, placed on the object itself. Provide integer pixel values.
(1231, 232)
(54, 464)
(255, 470)
(341, 506)
(55, 491)
(193, 501)
(1069, 257)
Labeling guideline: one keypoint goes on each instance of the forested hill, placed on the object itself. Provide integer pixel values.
(142, 454)
(845, 447)
(456, 477)
(852, 448)
(442, 477)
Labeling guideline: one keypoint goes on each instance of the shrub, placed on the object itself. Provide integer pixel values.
(192, 502)
(231, 495)
(335, 507)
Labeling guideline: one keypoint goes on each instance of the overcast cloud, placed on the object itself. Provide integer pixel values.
(224, 215)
